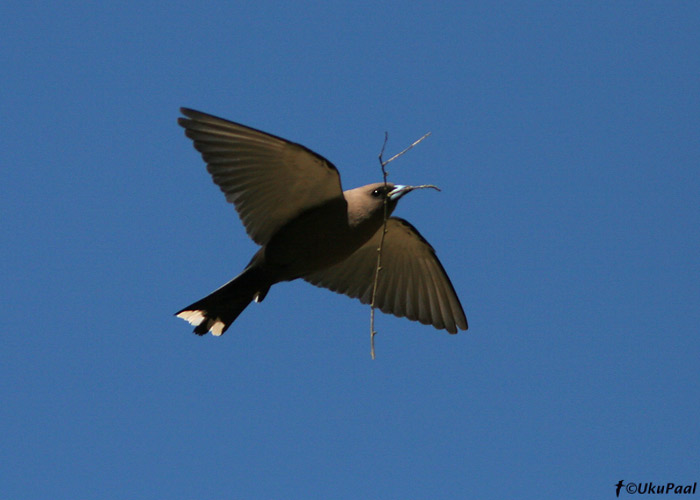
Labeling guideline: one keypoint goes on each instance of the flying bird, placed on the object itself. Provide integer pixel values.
(291, 203)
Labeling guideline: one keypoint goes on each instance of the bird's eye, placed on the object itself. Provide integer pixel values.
(380, 191)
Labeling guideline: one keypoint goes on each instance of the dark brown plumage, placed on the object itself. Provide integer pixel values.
(291, 203)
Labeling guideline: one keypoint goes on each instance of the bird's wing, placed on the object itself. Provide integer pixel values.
(268, 179)
(412, 282)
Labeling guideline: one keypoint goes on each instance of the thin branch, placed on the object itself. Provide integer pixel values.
(398, 154)
(424, 186)
(372, 331)
(378, 268)
(381, 154)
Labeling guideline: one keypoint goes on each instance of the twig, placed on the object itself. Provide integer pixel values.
(372, 331)
(386, 136)
(378, 268)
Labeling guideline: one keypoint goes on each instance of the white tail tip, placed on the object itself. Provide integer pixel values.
(195, 318)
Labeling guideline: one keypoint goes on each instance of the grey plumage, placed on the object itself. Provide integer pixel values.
(291, 203)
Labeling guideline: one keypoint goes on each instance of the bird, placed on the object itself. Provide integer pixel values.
(291, 203)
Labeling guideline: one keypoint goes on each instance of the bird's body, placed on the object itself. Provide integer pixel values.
(291, 203)
(320, 237)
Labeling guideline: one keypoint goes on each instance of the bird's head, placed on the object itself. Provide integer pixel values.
(368, 201)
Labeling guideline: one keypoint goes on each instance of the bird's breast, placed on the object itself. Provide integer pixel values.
(316, 239)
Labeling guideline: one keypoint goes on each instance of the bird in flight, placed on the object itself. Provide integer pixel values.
(291, 203)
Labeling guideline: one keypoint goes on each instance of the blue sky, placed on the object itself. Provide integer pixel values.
(565, 138)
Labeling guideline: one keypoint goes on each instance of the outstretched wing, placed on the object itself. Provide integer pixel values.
(268, 179)
(412, 282)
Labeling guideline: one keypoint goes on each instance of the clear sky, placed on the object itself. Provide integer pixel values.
(566, 141)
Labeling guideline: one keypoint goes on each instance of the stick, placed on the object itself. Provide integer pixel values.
(383, 164)
(386, 137)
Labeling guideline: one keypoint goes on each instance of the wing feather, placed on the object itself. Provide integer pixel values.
(268, 179)
(412, 282)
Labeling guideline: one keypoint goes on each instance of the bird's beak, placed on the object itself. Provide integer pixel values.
(400, 190)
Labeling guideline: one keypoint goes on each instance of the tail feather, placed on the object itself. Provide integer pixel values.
(215, 312)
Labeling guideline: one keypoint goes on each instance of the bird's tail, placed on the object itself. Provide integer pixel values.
(215, 312)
